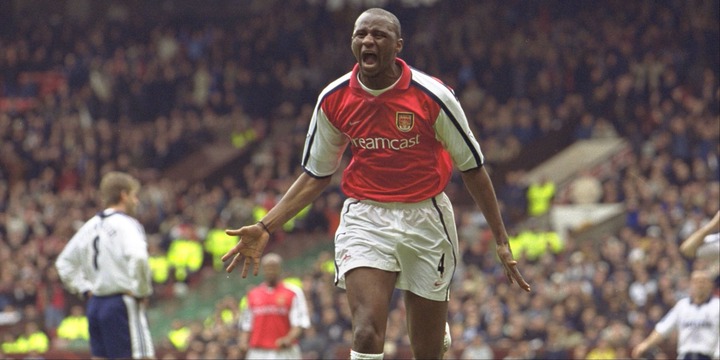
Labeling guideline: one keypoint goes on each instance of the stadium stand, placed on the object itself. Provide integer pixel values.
(92, 86)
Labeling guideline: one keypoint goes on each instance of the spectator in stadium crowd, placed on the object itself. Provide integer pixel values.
(696, 319)
(566, 62)
(275, 316)
(391, 234)
(106, 263)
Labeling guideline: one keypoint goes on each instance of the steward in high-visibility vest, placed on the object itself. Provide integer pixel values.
(185, 256)
(37, 342)
(159, 267)
(10, 347)
(540, 243)
(539, 196)
(520, 242)
(553, 240)
(74, 327)
(179, 336)
(33, 340)
(217, 243)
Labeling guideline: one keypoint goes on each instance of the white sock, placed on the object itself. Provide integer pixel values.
(360, 356)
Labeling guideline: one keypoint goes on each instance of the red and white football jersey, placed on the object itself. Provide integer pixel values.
(404, 141)
(271, 312)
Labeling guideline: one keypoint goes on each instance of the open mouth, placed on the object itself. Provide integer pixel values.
(369, 59)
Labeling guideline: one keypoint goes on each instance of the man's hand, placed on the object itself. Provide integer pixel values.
(283, 342)
(253, 239)
(510, 266)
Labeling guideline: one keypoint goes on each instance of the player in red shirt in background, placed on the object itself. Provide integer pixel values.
(274, 317)
(406, 131)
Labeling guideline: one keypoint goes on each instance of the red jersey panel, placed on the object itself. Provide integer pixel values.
(404, 140)
(270, 308)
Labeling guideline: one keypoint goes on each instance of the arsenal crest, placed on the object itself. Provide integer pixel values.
(404, 121)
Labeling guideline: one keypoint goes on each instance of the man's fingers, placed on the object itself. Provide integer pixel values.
(256, 266)
(229, 254)
(513, 273)
(520, 280)
(233, 232)
(245, 268)
(233, 263)
(508, 272)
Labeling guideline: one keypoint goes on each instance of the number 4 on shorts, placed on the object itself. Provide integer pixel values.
(441, 265)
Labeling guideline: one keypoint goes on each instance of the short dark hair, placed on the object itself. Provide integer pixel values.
(390, 16)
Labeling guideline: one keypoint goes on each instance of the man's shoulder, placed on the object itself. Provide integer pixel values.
(432, 84)
(121, 218)
(337, 84)
(712, 238)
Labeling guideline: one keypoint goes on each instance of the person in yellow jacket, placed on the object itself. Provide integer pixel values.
(217, 243)
(540, 196)
(33, 340)
(159, 264)
(8, 345)
(539, 240)
(75, 326)
(179, 335)
(186, 257)
(519, 242)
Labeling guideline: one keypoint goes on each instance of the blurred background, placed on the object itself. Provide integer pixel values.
(599, 122)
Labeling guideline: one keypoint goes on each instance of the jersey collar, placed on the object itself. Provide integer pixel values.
(402, 84)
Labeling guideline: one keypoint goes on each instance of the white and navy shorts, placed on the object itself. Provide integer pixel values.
(118, 328)
(417, 240)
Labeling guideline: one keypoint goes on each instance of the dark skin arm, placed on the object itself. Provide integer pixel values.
(478, 183)
(254, 238)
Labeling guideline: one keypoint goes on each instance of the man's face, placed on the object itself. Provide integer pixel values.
(375, 44)
(271, 270)
(131, 201)
(701, 286)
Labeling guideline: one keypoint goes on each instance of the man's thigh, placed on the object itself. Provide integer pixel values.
(369, 292)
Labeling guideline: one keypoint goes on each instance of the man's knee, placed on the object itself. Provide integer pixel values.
(367, 338)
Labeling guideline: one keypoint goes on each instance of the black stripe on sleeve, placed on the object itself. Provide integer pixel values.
(454, 120)
(313, 131)
(309, 146)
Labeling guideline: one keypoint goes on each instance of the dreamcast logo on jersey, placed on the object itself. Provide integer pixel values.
(404, 121)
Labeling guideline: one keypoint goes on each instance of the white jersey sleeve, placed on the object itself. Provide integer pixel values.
(710, 248)
(246, 318)
(324, 143)
(136, 253)
(299, 315)
(451, 126)
(72, 264)
(669, 322)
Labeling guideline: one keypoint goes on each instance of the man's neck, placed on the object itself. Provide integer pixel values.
(700, 300)
(384, 80)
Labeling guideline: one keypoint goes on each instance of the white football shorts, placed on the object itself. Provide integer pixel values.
(292, 352)
(417, 240)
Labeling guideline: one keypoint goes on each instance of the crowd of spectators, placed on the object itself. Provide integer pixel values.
(126, 92)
